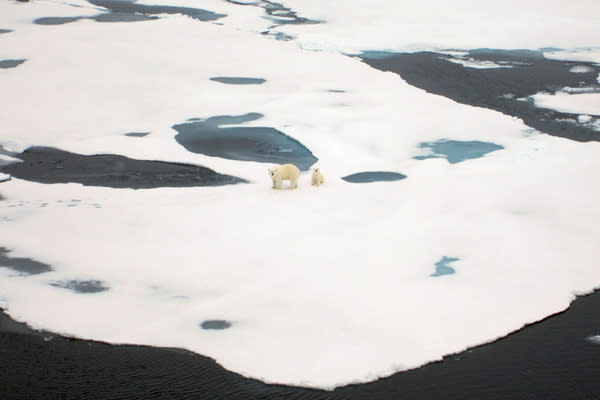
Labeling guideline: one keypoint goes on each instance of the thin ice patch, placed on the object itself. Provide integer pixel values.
(582, 69)
(442, 268)
(456, 151)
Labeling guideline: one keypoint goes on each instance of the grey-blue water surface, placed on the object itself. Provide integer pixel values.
(373, 176)
(130, 11)
(238, 80)
(5, 64)
(25, 266)
(77, 286)
(442, 268)
(244, 143)
(215, 324)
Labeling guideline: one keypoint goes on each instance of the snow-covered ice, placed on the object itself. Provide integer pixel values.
(315, 286)
(580, 103)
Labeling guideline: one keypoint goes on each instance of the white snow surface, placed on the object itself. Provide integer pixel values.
(581, 103)
(477, 64)
(581, 69)
(355, 25)
(323, 286)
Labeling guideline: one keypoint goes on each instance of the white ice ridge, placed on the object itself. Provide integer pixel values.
(4, 177)
(477, 64)
(322, 286)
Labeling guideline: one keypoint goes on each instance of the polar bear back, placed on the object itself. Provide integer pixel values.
(285, 172)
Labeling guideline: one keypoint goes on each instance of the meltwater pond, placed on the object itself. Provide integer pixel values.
(442, 268)
(456, 151)
(78, 286)
(50, 165)
(130, 11)
(374, 176)
(5, 64)
(243, 143)
(238, 80)
(24, 266)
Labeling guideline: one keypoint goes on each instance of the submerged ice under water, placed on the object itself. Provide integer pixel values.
(456, 151)
(442, 268)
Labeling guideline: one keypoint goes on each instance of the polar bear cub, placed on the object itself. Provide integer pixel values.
(285, 172)
(317, 177)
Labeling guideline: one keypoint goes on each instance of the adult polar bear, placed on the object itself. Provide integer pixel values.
(285, 172)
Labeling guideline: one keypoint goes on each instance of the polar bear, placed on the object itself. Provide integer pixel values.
(285, 172)
(317, 177)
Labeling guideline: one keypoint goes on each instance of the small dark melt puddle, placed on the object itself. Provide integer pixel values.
(234, 80)
(456, 151)
(5, 64)
(129, 11)
(524, 73)
(215, 324)
(280, 15)
(244, 143)
(336, 91)
(137, 134)
(50, 165)
(77, 286)
(25, 266)
(4, 31)
(442, 268)
(374, 176)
